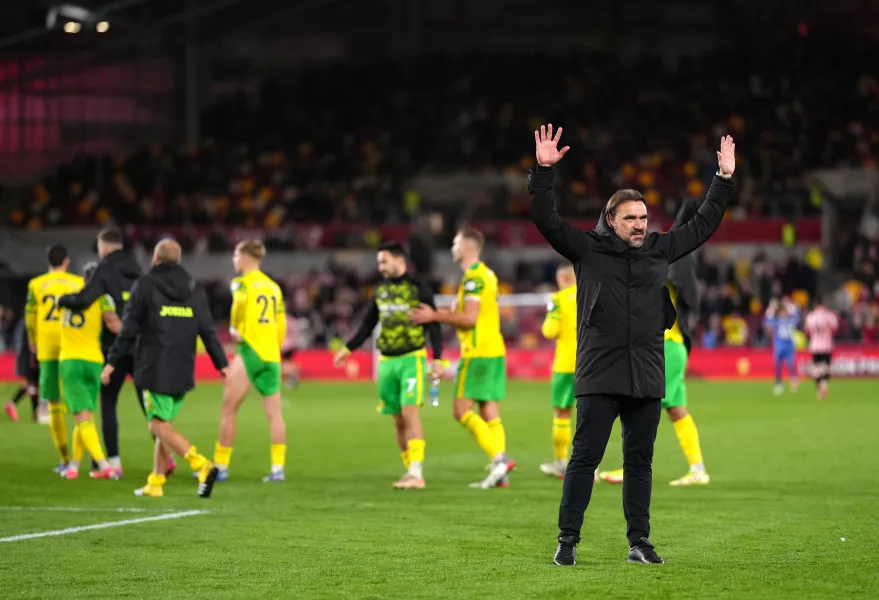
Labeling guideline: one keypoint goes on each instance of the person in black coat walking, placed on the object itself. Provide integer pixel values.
(623, 310)
(165, 315)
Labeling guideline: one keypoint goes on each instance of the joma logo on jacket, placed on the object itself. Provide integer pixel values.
(176, 311)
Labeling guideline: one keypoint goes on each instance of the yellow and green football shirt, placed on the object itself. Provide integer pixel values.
(81, 331)
(484, 340)
(43, 315)
(258, 314)
(560, 325)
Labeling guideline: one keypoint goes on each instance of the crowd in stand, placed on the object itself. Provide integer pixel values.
(342, 142)
(326, 306)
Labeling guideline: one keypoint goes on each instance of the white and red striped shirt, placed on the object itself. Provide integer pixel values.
(821, 324)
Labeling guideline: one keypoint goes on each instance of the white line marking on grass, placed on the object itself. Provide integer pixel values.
(81, 509)
(42, 534)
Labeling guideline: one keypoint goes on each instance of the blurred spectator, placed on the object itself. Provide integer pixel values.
(735, 329)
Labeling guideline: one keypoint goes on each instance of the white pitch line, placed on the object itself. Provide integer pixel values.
(42, 534)
(80, 509)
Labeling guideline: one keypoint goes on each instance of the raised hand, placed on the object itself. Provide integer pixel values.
(726, 158)
(548, 152)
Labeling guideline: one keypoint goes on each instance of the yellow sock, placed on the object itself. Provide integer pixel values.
(78, 448)
(561, 437)
(58, 428)
(482, 432)
(405, 456)
(155, 480)
(196, 461)
(279, 455)
(688, 436)
(416, 451)
(497, 428)
(89, 434)
(222, 455)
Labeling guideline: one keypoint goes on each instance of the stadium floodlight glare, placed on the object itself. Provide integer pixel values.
(67, 14)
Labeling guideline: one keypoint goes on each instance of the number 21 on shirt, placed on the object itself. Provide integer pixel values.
(264, 302)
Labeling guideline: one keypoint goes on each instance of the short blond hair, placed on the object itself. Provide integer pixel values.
(253, 248)
(474, 235)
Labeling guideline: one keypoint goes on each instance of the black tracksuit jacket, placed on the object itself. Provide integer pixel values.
(115, 275)
(165, 315)
(623, 304)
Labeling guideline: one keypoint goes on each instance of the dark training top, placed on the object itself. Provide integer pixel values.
(390, 306)
(115, 275)
(165, 316)
(623, 303)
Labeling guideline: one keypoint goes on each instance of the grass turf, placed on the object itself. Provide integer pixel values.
(790, 477)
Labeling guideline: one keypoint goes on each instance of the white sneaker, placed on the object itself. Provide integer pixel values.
(692, 478)
(477, 485)
(498, 471)
(778, 389)
(555, 468)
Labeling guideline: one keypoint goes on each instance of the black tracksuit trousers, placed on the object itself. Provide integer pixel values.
(109, 400)
(596, 414)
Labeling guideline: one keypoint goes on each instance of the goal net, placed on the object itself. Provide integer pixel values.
(529, 355)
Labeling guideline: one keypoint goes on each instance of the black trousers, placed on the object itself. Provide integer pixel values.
(595, 417)
(109, 400)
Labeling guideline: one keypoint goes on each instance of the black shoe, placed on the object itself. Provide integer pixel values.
(566, 554)
(205, 489)
(642, 552)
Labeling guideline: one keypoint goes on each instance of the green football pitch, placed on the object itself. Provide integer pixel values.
(791, 478)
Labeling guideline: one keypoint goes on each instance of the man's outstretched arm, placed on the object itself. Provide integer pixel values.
(684, 239)
(94, 288)
(565, 239)
(367, 326)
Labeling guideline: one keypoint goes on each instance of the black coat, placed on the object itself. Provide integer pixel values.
(115, 276)
(165, 315)
(682, 274)
(623, 305)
